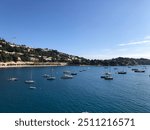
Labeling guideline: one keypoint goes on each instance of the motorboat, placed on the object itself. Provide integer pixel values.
(51, 78)
(66, 76)
(13, 79)
(45, 75)
(29, 81)
(108, 77)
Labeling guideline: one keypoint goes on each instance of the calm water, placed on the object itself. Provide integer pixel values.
(86, 92)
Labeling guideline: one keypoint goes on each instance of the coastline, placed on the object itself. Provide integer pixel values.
(30, 64)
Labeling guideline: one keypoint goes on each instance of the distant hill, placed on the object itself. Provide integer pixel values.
(13, 52)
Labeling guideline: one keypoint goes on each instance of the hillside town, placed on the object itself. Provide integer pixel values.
(12, 54)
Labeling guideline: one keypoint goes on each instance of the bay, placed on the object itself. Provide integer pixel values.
(86, 92)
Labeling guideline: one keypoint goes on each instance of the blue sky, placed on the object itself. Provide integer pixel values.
(100, 29)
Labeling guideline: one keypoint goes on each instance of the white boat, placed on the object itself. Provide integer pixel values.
(66, 76)
(45, 75)
(108, 77)
(32, 87)
(13, 79)
(30, 81)
(105, 74)
(82, 70)
(51, 77)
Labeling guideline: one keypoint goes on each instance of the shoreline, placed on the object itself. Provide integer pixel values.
(29, 64)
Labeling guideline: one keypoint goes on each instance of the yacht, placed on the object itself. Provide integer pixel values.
(108, 77)
(67, 76)
(105, 74)
(45, 75)
(13, 79)
(51, 77)
(122, 72)
(30, 81)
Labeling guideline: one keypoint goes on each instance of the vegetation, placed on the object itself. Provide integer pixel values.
(13, 52)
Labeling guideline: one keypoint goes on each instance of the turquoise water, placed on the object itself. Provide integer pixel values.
(86, 92)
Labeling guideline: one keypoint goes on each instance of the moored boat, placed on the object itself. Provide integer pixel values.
(108, 77)
(29, 81)
(66, 76)
(139, 71)
(13, 79)
(122, 72)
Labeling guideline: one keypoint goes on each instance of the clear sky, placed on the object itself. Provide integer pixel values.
(90, 28)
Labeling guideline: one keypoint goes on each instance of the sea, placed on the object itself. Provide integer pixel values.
(85, 92)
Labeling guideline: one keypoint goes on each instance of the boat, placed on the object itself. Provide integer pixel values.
(82, 70)
(67, 72)
(13, 79)
(45, 75)
(139, 71)
(30, 81)
(105, 74)
(134, 69)
(67, 76)
(108, 77)
(73, 73)
(122, 72)
(51, 77)
(32, 87)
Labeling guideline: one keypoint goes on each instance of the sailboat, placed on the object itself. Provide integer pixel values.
(51, 77)
(67, 76)
(122, 72)
(107, 75)
(30, 81)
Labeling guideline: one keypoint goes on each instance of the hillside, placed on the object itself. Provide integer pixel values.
(13, 52)
(21, 53)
